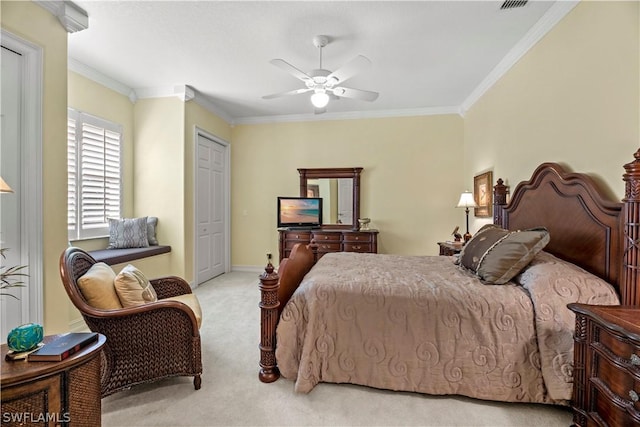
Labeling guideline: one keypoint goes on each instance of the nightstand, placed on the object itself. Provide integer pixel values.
(449, 248)
(606, 365)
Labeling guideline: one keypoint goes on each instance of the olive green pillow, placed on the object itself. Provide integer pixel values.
(496, 255)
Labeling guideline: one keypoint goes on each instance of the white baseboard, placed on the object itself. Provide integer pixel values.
(247, 269)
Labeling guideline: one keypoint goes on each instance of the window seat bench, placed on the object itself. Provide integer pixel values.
(118, 256)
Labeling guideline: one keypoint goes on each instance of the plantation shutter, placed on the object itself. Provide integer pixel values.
(94, 174)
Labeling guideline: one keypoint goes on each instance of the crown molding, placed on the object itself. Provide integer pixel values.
(352, 115)
(106, 81)
(208, 105)
(549, 20)
(72, 17)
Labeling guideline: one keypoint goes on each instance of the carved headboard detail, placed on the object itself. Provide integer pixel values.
(585, 226)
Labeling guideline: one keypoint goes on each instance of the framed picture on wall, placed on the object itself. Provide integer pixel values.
(483, 194)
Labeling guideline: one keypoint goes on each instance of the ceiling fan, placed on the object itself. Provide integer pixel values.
(325, 84)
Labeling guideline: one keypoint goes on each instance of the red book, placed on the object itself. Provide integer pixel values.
(63, 346)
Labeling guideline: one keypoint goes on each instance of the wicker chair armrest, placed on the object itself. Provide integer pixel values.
(170, 286)
(130, 315)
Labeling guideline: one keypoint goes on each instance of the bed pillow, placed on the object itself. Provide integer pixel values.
(97, 287)
(128, 233)
(133, 288)
(152, 224)
(496, 255)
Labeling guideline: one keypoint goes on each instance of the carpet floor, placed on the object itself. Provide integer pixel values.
(231, 394)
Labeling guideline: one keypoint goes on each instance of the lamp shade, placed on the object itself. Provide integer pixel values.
(4, 187)
(466, 200)
(320, 99)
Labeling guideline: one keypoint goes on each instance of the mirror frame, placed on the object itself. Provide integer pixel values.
(352, 173)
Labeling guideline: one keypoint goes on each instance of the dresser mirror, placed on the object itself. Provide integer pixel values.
(340, 192)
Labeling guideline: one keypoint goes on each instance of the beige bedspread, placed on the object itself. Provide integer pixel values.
(424, 324)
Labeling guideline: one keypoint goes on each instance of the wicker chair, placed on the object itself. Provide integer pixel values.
(144, 343)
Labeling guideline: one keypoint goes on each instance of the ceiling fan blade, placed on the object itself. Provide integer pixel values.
(349, 69)
(291, 92)
(281, 63)
(363, 95)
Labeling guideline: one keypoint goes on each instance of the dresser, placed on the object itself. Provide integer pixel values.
(606, 365)
(53, 393)
(329, 240)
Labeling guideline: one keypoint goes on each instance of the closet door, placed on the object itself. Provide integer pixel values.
(210, 209)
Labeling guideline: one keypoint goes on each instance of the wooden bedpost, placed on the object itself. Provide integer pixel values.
(269, 319)
(500, 192)
(631, 258)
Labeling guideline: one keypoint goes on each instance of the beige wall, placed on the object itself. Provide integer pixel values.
(158, 179)
(410, 183)
(572, 99)
(34, 24)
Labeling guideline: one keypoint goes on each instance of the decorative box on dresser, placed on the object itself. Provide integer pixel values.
(329, 240)
(606, 383)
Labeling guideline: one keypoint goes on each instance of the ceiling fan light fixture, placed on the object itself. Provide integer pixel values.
(320, 99)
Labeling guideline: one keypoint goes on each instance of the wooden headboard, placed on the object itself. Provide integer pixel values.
(586, 227)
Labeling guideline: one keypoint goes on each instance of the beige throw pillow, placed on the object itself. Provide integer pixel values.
(133, 288)
(97, 287)
(192, 301)
(496, 255)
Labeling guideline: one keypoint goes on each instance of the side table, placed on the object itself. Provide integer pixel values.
(449, 248)
(53, 393)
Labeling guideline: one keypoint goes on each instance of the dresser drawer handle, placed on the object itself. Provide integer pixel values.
(297, 236)
(326, 237)
(635, 359)
(357, 238)
(357, 247)
(634, 396)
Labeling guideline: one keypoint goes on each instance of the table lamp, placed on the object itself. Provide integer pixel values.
(4, 187)
(466, 202)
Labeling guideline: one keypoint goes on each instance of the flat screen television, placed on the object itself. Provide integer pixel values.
(300, 212)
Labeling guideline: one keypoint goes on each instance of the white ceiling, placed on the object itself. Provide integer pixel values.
(428, 56)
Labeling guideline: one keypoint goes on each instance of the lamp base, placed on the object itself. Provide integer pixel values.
(467, 237)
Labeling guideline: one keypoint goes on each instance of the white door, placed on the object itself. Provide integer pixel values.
(10, 218)
(345, 201)
(210, 209)
(21, 168)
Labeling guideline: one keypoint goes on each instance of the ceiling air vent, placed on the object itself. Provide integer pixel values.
(511, 4)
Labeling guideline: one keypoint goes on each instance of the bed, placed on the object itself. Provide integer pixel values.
(427, 325)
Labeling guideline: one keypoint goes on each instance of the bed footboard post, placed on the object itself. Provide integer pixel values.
(500, 192)
(269, 303)
(630, 291)
(314, 249)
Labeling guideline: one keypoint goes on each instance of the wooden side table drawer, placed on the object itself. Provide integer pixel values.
(297, 236)
(358, 247)
(358, 237)
(606, 373)
(321, 237)
(328, 246)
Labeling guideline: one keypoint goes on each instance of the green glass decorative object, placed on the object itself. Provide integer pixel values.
(25, 337)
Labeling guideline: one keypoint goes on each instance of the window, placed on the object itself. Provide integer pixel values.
(93, 175)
